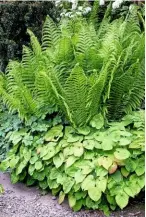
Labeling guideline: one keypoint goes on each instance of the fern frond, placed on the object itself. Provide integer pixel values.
(34, 43)
(75, 95)
(27, 57)
(65, 52)
(95, 92)
(94, 13)
(50, 34)
(85, 42)
(136, 93)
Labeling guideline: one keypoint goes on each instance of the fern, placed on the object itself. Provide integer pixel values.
(80, 69)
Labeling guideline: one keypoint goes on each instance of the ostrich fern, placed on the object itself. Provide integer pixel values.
(80, 69)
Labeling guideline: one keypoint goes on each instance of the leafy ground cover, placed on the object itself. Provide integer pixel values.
(94, 167)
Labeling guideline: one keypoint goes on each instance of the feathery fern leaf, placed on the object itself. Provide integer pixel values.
(50, 34)
(76, 88)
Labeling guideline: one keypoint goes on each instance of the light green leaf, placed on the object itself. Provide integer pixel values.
(68, 184)
(14, 161)
(87, 169)
(33, 159)
(71, 171)
(124, 172)
(31, 169)
(54, 173)
(89, 144)
(129, 191)
(20, 167)
(68, 151)
(79, 176)
(38, 165)
(111, 199)
(16, 137)
(69, 130)
(101, 183)
(130, 165)
(43, 184)
(88, 182)
(106, 141)
(14, 177)
(97, 121)
(88, 155)
(27, 155)
(122, 200)
(39, 175)
(71, 200)
(94, 193)
(92, 204)
(80, 194)
(141, 181)
(43, 151)
(90, 136)
(124, 141)
(78, 149)
(74, 138)
(140, 169)
(100, 171)
(84, 130)
(58, 160)
(107, 144)
(1, 189)
(5, 164)
(106, 162)
(98, 145)
(70, 161)
(121, 154)
(117, 177)
(54, 134)
(78, 205)
(50, 153)
(61, 197)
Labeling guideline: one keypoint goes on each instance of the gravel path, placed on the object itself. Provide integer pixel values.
(21, 201)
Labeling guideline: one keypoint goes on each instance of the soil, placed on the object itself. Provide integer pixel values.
(21, 201)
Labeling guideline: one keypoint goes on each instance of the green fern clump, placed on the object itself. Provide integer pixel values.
(80, 69)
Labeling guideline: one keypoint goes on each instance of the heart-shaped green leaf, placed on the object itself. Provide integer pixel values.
(122, 199)
(121, 154)
(94, 193)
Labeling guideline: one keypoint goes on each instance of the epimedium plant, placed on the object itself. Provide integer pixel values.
(93, 166)
(11, 126)
(8, 123)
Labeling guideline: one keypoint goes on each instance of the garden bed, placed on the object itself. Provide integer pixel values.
(76, 127)
(21, 201)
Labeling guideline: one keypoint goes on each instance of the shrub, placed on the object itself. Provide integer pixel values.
(16, 17)
(95, 167)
